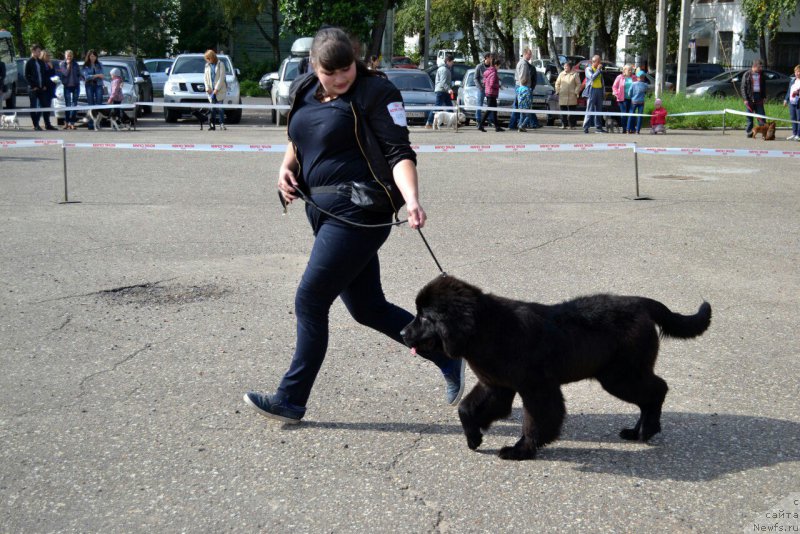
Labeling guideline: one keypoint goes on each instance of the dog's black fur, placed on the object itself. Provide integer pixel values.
(201, 115)
(530, 349)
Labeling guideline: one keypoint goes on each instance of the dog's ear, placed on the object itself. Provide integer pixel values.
(455, 336)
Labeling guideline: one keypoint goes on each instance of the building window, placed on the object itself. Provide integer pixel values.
(725, 47)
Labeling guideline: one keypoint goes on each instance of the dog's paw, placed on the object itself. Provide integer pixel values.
(629, 434)
(517, 453)
(474, 440)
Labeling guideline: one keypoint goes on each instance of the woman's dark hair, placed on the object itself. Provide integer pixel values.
(89, 54)
(332, 49)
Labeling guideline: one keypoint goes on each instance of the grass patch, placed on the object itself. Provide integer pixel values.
(681, 104)
(251, 88)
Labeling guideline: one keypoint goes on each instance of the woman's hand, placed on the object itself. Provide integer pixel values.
(416, 215)
(287, 183)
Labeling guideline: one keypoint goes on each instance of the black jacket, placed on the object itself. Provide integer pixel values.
(30, 74)
(747, 86)
(383, 142)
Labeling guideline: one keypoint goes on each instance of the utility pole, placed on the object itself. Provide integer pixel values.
(661, 50)
(426, 48)
(683, 47)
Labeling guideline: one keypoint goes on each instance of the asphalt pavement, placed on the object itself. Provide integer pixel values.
(133, 320)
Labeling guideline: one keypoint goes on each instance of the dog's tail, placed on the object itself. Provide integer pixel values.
(676, 325)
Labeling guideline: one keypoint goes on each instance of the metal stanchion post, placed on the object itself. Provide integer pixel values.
(636, 172)
(723, 122)
(66, 191)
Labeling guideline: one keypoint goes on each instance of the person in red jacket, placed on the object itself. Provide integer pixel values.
(491, 86)
(658, 120)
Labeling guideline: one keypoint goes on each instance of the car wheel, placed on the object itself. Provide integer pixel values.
(466, 121)
(281, 120)
(274, 117)
(170, 115)
(551, 120)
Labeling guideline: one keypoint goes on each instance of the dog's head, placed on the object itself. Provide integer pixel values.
(770, 131)
(446, 317)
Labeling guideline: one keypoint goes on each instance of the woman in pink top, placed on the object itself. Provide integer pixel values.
(622, 92)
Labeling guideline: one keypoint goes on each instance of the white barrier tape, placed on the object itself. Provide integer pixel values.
(72, 108)
(27, 143)
(183, 147)
(422, 149)
(730, 152)
(521, 147)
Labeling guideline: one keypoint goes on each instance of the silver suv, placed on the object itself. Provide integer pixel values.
(279, 82)
(186, 84)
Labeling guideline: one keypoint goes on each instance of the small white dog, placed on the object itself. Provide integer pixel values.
(9, 121)
(447, 119)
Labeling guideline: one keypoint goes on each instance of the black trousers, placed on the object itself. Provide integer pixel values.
(40, 99)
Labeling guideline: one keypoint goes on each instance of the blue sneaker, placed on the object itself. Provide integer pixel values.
(268, 406)
(454, 381)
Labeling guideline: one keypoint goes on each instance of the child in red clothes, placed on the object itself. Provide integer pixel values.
(658, 120)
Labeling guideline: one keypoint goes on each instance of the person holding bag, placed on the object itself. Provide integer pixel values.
(216, 87)
(346, 126)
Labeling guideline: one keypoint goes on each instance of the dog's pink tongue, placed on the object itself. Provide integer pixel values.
(413, 351)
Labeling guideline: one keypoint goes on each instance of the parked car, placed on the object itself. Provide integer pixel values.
(186, 84)
(7, 57)
(278, 83)
(695, 72)
(730, 84)
(458, 57)
(158, 72)
(574, 59)
(22, 83)
(417, 90)
(144, 84)
(544, 96)
(402, 62)
(546, 67)
(457, 73)
(130, 91)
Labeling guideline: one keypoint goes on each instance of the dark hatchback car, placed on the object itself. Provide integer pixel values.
(22, 83)
(457, 73)
(730, 84)
(416, 88)
(695, 72)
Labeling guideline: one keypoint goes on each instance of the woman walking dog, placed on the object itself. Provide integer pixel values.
(347, 128)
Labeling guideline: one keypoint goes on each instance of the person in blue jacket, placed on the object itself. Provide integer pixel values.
(93, 81)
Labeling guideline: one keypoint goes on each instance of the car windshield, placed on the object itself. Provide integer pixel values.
(507, 79)
(290, 70)
(410, 81)
(196, 64)
(724, 77)
(126, 75)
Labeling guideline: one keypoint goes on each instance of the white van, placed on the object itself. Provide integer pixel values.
(291, 67)
(458, 57)
(9, 98)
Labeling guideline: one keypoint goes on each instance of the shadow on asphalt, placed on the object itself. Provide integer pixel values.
(692, 446)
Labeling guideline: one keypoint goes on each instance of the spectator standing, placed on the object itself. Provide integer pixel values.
(488, 57)
(525, 82)
(70, 75)
(49, 74)
(638, 92)
(491, 86)
(568, 87)
(594, 92)
(442, 87)
(93, 81)
(622, 92)
(793, 101)
(37, 87)
(753, 90)
(216, 88)
(2, 84)
(658, 120)
(326, 149)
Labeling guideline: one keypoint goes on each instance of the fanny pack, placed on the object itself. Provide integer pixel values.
(370, 196)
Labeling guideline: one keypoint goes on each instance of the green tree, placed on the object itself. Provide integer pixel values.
(764, 18)
(201, 24)
(252, 11)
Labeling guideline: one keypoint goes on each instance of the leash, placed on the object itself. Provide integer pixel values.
(398, 222)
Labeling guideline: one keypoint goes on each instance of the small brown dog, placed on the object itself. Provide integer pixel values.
(766, 130)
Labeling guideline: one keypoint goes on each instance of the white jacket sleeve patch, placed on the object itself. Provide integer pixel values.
(398, 113)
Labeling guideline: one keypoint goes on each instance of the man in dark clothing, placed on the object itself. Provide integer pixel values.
(39, 95)
(753, 90)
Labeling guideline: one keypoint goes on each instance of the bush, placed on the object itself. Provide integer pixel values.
(681, 104)
(251, 88)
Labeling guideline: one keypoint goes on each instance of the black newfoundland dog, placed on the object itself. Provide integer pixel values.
(530, 349)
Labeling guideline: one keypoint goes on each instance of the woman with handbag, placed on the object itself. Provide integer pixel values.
(216, 87)
(347, 130)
